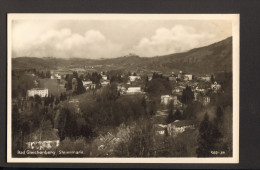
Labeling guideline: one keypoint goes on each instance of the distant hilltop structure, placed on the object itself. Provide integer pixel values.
(131, 55)
(42, 92)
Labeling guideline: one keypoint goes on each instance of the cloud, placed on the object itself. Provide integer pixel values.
(177, 39)
(66, 44)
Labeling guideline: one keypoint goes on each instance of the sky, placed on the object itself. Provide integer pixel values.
(102, 38)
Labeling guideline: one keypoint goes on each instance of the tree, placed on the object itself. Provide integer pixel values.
(219, 116)
(205, 145)
(37, 99)
(192, 111)
(144, 105)
(187, 95)
(177, 115)
(80, 88)
(208, 139)
(68, 78)
(42, 75)
(75, 74)
(212, 79)
(170, 117)
(158, 86)
(153, 108)
(61, 97)
(48, 74)
(141, 143)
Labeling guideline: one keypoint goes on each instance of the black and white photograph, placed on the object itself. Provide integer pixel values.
(123, 88)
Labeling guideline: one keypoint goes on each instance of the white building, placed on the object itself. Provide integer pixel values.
(42, 92)
(206, 100)
(56, 76)
(104, 77)
(134, 90)
(172, 78)
(43, 145)
(86, 83)
(188, 77)
(105, 83)
(159, 129)
(205, 78)
(197, 89)
(178, 127)
(215, 86)
(133, 78)
(165, 99)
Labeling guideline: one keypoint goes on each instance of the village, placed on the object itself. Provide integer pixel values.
(53, 93)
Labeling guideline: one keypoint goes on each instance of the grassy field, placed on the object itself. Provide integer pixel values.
(55, 88)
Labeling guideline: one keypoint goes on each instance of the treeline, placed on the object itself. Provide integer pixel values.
(143, 142)
(106, 109)
(34, 124)
(159, 85)
(94, 77)
(215, 132)
(21, 82)
(74, 83)
(215, 136)
(109, 109)
(43, 74)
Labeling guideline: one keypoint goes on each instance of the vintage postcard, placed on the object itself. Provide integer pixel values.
(123, 88)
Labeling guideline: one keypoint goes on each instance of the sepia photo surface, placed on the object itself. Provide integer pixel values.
(123, 88)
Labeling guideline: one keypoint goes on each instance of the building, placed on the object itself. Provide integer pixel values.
(43, 145)
(178, 127)
(165, 99)
(205, 78)
(197, 89)
(105, 83)
(121, 88)
(104, 77)
(215, 86)
(188, 77)
(206, 100)
(177, 91)
(36, 83)
(56, 76)
(133, 78)
(159, 129)
(42, 92)
(179, 76)
(133, 90)
(172, 78)
(196, 96)
(176, 103)
(86, 83)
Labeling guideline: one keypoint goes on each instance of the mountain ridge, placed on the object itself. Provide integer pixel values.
(207, 59)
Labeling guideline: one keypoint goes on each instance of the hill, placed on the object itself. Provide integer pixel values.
(216, 57)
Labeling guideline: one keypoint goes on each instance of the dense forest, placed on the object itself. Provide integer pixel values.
(106, 110)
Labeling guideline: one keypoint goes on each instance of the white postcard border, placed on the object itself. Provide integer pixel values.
(236, 58)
